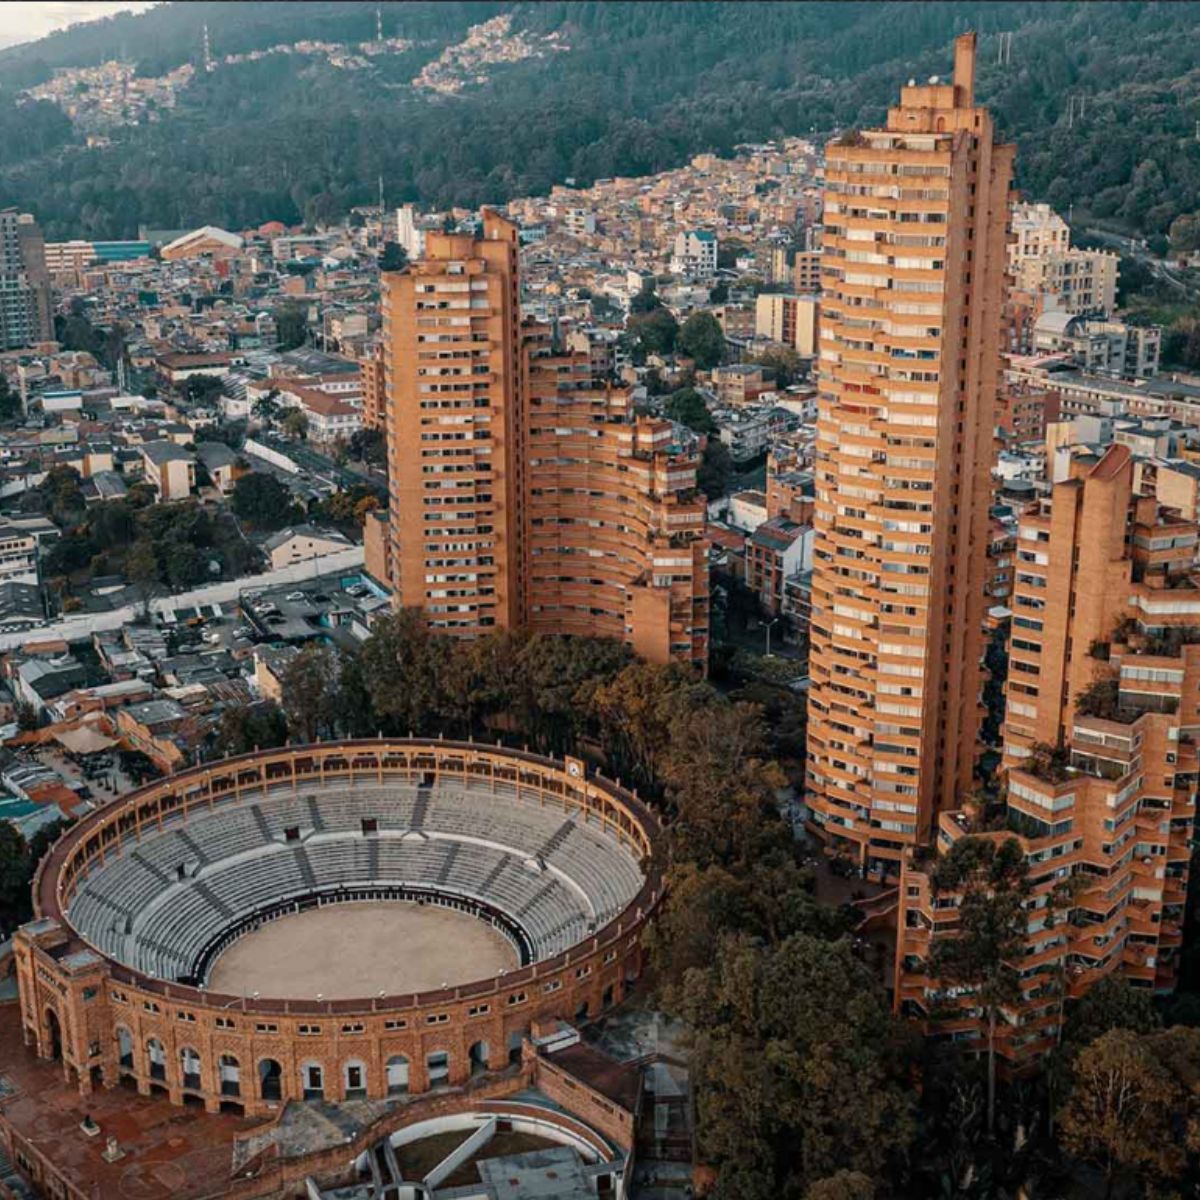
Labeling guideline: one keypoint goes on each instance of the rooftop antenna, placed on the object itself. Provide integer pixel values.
(208, 60)
(381, 208)
(378, 23)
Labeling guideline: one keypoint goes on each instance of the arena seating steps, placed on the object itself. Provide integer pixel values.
(161, 902)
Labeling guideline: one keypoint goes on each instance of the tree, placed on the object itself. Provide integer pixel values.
(60, 495)
(784, 363)
(716, 469)
(796, 1066)
(14, 878)
(688, 407)
(845, 1185)
(1125, 1105)
(185, 564)
(141, 567)
(652, 332)
(393, 258)
(646, 300)
(636, 711)
(1111, 1004)
(369, 446)
(308, 689)
(247, 727)
(291, 325)
(203, 390)
(702, 340)
(295, 424)
(991, 882)
(266, 407)
(404, 669)
(262, 501)
(10, 401)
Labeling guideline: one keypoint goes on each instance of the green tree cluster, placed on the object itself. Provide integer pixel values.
(702, 339)
(266, 140)
(688, 407)
(264, 503)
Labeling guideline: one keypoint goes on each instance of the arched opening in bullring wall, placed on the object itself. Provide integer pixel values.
(397, 1075)
(54, 1030)
(156, 1056)
(514, 1043)
(312, 1080)
(124, 1048)
(478, 1056)
(270, 1080)
(354, 1080)
(189, 1068)
(437, 1067)
(229, 1075)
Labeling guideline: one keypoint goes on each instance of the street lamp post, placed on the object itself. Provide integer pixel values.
(767, 626)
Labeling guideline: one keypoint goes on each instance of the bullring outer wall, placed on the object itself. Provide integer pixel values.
(92, 996)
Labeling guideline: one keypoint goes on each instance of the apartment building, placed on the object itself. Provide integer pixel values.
(1104, 347)
(1099, 744)
(614, 525)
(788, 319)
(1037, 232)
(170, 469)
(916, 219)
(1084, 281)
(455, 395)
(523, 492)
(806, 272)
(72, 258)
(18, 553)
(374, 401)
(25, 311)
(695, 253)
(775, 552)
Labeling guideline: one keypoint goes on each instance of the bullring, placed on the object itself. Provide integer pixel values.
(141, 905)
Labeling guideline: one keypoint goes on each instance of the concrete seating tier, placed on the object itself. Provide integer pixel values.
(164, 899)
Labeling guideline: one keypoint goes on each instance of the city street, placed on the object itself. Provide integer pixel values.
(83, 625)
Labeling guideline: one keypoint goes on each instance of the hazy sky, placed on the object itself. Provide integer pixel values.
(25, 20)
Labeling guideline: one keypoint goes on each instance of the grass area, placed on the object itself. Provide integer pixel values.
(417, 1159)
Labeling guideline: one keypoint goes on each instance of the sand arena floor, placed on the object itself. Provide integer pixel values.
(344, 951)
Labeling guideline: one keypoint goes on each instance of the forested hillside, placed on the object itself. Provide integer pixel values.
(640, 89)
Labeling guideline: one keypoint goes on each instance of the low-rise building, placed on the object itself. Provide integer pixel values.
(788, 319)
(303, 543)
(775, 551)
(171, 470)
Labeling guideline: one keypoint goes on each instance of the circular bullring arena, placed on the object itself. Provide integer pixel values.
(335, 922)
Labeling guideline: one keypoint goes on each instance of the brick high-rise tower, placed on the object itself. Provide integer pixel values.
(453, 377)
(524, 491)
(913, 279)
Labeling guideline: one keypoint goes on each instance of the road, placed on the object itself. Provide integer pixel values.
(1132, 248)
(80, 626)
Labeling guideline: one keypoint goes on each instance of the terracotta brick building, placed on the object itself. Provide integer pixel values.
(913, 275)
(1103, 708)
(524, 492)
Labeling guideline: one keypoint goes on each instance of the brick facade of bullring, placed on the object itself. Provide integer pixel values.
(106, 1021)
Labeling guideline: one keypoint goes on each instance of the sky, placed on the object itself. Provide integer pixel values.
(25, 20)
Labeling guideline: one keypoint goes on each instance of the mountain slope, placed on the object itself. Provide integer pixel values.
(640, 88)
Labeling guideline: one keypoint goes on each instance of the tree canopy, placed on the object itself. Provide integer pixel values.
(279, 138)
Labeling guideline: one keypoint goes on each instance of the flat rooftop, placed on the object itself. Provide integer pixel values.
(171, 1153)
